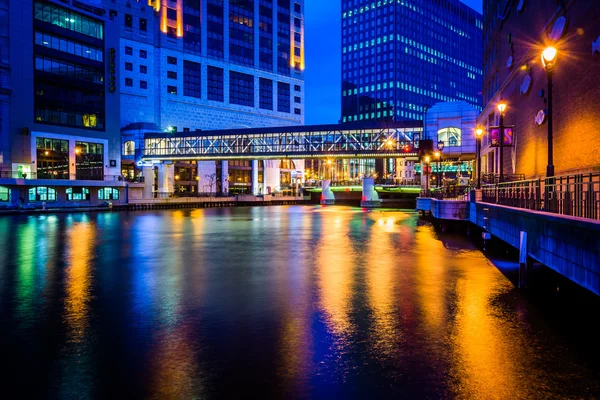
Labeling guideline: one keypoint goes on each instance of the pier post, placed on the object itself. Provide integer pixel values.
(327, 196)
(370, 198)
(523, 261)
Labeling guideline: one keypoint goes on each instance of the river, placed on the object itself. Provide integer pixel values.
(294, 302)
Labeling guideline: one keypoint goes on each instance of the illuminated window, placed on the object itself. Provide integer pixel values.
(129, 148)
(4, 193)
(450, 136)
(108, 194)
(78, 193)
(89, 120)
(42, 193)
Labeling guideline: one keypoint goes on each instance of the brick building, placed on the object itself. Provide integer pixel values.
(515, 33)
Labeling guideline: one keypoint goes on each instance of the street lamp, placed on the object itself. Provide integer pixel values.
(549, 56)
(440, 146)
(426, 175)
(437, 167)
(478, 136)
(502, 109)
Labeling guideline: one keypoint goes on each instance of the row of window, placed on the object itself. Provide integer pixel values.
(69, 70)
(68, 46)
(67, 19)
(43, 193)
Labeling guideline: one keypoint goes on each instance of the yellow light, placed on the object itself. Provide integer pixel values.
(437, 154)
(176, 177)
(427, 159)
(329, 162)
(478, 132)
(502, 106)
(46, 153)
(77, 151)
(549, 57)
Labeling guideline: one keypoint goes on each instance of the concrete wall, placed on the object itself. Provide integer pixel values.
(568, 245)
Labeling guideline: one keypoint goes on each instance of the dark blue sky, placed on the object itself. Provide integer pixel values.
(322, 23)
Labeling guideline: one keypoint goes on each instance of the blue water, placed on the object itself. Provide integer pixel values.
(288, 302)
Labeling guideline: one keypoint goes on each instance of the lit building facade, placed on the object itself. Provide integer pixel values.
(207, 64)
(515, 35)
(401, 57)
(59, 116)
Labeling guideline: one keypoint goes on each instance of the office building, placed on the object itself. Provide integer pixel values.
(401, 57)
(207, 64)
(59, 118)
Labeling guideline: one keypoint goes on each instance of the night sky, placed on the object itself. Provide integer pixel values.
(322, 21)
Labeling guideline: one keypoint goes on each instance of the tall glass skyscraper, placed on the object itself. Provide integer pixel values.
(401, 56)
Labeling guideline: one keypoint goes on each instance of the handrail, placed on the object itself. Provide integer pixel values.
(574, 195)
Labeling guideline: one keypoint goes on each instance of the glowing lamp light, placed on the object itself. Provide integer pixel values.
(46, 153)
(77, 151)
(549, 57)
(502, 106)
(479, 133)
(437, 154)
(427, 159)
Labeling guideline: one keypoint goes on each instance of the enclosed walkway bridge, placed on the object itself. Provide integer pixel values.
(356, 140)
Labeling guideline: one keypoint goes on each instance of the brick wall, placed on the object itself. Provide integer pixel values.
(576, 92)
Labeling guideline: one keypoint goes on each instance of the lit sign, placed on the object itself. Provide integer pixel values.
(112, 82)
(495, 136)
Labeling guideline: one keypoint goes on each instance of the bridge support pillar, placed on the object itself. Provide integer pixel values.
(327, 196)
(148, 174)
(166, 177)
(271, 176)
(207, 176)
(256, 190)
(370, 198)
(225, 176)
(524, 261)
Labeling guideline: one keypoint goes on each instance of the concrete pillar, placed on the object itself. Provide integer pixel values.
(225, 176)
(207, 176)
(271, 176)
(148, 174)
(370, 198)
(255, 188)
(166, 178)
(424, 177)
(523, 260)
(327, 196)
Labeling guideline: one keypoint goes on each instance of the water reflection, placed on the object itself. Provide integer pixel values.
(382, 274)
(486, 342)
(335, 269)
(77, 363)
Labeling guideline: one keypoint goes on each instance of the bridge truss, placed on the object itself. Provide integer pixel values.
(400, 139)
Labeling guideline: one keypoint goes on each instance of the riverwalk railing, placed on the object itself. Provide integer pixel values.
(573, 195)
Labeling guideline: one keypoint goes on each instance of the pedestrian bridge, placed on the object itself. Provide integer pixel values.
(353, 140)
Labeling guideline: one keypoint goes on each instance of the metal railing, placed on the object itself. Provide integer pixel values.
(573, 195)
(167, 195)
(491, 179)
(448, 193)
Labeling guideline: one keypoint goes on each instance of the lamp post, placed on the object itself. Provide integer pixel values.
(478, 135)
(502, 109)
(549, 56)
(440, 146)
(427, 176)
